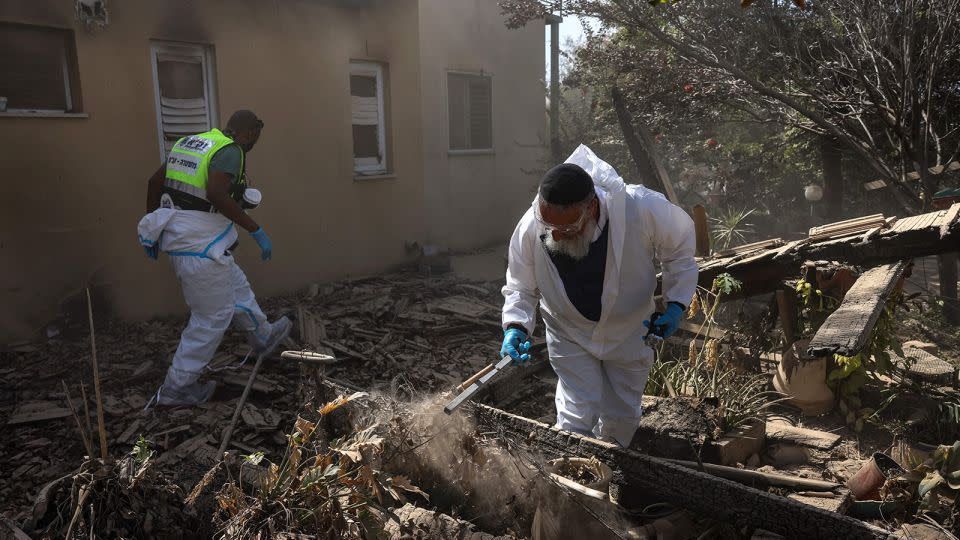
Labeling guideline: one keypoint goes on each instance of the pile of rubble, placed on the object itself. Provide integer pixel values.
(399, 335)
(433, 332)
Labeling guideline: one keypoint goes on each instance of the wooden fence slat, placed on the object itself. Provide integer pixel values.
(847, 330)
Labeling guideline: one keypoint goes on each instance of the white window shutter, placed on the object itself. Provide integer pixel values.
(182, 76)
(367, 118)
(365, 111)
(470, 111)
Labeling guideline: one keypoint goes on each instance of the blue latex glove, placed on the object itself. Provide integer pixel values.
(665, 324)
(266, 247)
(515, 345)
(152, 251)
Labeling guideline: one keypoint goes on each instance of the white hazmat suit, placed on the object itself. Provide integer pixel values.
(603, 366)
(214, 287)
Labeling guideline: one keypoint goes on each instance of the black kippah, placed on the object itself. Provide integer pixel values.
(566, 184)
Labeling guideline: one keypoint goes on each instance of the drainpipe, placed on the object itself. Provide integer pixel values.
(554, 22)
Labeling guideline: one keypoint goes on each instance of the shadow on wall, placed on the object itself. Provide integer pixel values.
(57, 314)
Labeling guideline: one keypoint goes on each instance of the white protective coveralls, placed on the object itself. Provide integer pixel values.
(214, 287)
(603, 366)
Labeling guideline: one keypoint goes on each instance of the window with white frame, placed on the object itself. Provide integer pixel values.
(367, 117)
(183, 77)
(470, 104)
(38, 69)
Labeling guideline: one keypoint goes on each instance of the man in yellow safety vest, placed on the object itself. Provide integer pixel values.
(194, 202)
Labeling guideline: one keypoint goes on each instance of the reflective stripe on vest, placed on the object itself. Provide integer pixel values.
(189, 161)
(186, 188)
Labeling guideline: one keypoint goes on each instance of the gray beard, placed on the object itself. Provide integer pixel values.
(576, 248)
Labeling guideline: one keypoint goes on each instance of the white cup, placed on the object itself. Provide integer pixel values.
(252, 197)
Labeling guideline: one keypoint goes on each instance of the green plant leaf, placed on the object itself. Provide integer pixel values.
(931, 481)
(950, 467)
(730, 227)
(726, 284)
(883, 362)
(141, 451)
(331, 471)
(254, 458)
(854, 382)
(311, 476)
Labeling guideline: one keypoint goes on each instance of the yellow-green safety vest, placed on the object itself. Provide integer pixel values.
(188, 162)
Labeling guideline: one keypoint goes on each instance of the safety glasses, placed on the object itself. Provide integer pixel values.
(572, 228)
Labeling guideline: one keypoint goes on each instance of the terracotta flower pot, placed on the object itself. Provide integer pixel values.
(804, 380)
(866, 484)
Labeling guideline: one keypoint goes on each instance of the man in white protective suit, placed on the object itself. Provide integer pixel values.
(585, 250)
(194, 203)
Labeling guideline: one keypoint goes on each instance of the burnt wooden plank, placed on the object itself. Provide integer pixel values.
(847, 330)
(698, 492)
(790, 247)
(782, 432)
(691, 489)
(906, 224)
(759, 256)
(904, 240)
(753, 247)
(949, 219)
(923, 221)
(934, 219)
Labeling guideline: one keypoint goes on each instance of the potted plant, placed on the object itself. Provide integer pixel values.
(801, 377)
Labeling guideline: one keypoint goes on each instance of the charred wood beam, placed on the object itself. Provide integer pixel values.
(699, 492)
(691, 489)
(916, 236)
(847, 330)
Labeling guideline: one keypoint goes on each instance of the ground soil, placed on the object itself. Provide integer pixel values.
(677, 428)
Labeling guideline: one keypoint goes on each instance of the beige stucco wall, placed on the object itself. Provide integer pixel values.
(74, 187)
(476, 200)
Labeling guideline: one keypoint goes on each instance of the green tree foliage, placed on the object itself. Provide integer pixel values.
(880, 79)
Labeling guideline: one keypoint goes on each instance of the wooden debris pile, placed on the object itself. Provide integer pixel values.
(868, 241)
(125, 498)
(431, 331)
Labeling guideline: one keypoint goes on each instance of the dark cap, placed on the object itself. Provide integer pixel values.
(566, 184)
(243, 120)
